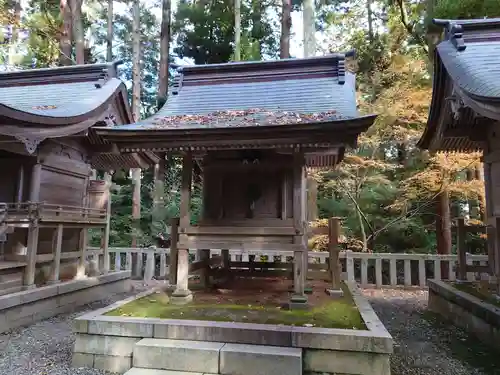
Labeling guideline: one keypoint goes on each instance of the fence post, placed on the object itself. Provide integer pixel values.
(333, 255)
(174, 237)
(461, 251)
(349, 261)
(149, 272)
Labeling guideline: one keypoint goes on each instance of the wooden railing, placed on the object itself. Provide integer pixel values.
(368, 269)
(47, 212)
(3, 216)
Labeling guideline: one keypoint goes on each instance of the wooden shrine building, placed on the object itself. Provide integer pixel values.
(47, 150)
(253, 128)
(465, 110)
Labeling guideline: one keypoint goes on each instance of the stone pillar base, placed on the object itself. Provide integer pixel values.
(181, 297)
(335, 292)
(298, 302)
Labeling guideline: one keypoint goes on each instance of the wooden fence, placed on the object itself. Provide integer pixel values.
(368, 269)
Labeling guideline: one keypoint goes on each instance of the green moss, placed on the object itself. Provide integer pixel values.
(473, 290)
(334, 313)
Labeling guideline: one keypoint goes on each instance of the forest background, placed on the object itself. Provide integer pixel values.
(391, 196)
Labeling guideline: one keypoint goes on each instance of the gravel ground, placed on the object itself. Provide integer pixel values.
(424, 344)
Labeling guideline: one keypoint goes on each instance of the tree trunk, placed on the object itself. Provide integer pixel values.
(286, 26)
(15, 34)
(443, 228)
(66, 33)
(136, 111)
(109, 34)
(257, 34)
(237, 30)
(369, 12)
(77, 23)
(309, 26)
(164, 52)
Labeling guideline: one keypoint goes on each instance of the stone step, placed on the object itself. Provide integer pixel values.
(242, 359)
(148, 371)
(202, 357)
(177, 355)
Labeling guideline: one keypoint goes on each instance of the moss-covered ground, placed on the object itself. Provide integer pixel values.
(252, 304)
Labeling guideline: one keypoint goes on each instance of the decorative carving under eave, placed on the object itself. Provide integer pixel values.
(30, 143)
(457, 106)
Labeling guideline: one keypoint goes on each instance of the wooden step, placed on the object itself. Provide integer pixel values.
(215, 358)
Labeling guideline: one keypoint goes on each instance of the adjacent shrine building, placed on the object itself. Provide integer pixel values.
(253, 128)
(465, 110)
(47, 150)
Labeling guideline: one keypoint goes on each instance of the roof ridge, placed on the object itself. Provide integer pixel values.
(264, 64)
(469, 24)
(64, 74)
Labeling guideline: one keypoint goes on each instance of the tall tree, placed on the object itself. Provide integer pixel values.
(136, 110)
(309, 28)
(164, 52)
(109, 34)
(78, 33)
(237, 30)
(286, 26)
(66, 34)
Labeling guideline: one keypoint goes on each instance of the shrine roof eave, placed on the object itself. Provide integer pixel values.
(175, 139)
(113, 90)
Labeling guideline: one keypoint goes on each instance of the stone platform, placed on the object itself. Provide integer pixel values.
(147, 346)
(29, 306)
(466, 311)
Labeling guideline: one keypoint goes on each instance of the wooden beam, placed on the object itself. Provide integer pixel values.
(105, 149)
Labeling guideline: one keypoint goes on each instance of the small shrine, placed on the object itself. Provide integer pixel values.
(253, 128)
(465, 110)
(48, 149)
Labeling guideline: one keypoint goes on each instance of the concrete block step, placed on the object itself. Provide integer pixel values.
(242, 359)
(148, 371)
(177, 355)
(185, 357)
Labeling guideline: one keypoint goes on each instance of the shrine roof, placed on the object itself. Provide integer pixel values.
(470, 53)
(253, 94)
(466, 85)
(59, 95)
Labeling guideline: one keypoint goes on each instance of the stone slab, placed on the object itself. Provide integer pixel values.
(240, 359)
(148, 371)
(111, 363)
(178, 355)
(128, 327)
(344, 362)
(26, 307)
(82, 360)
(229, 332)
(105, 345)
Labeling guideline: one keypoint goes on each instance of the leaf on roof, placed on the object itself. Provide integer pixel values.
(243, 118)
(44, 107)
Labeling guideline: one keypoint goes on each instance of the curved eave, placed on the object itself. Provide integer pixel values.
(27, 117)
(361, 124)
(438, 91)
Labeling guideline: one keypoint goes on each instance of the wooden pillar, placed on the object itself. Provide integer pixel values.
(182, 294)
(299, 272)
(226, 261)
(159, 196)
(333, 256)
(461, 251)
(33, 230)
(84, 233)
(20, 185)
(56, 251)
(174, 238)
(105, 242)
(496, 261)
